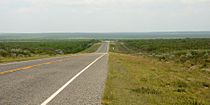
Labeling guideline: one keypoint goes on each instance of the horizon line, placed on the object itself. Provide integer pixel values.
(98, 32)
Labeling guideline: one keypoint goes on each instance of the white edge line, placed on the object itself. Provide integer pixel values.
(72, 79)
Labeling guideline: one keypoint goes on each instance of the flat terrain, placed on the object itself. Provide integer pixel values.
(120, 35)
(158, 72)
(140, 80)
(17, 50)
(35, 82)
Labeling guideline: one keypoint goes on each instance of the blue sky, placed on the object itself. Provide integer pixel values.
(104, 15)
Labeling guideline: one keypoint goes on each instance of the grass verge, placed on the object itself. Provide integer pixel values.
(17, 59)
(92, 49)
(140, 80)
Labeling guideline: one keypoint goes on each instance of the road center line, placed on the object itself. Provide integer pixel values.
(27, 67)
(72, 79)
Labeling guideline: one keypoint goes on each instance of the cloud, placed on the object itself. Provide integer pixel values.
(108, 2)
(104, 2)
(114, 4)
(114, 15)
(2, 2)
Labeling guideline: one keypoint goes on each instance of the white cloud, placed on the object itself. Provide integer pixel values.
(114, 4)
(107, 2)
(2, 2)
(94, 15)
(88, 5)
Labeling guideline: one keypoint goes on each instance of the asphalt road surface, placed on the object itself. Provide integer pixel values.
(71, 80)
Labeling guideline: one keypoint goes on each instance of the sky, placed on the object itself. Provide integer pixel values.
(104, 15)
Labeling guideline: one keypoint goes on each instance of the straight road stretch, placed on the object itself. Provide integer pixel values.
(71, 80)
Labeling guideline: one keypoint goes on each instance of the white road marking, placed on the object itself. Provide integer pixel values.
(72, 79)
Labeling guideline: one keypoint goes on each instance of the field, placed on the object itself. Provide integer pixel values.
(23, 50)
(116, 35)
(153, 72)
(191, 52)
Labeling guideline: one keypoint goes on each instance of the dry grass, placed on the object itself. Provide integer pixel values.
(14, 59)
(140, 80)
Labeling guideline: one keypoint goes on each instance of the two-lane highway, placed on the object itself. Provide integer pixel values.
(70, 80)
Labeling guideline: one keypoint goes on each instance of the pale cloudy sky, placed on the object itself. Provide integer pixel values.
(104, 15)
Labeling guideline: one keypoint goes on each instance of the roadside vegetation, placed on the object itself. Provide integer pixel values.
(24, 50)
(153, 72)
(190, 52)
(93, 48)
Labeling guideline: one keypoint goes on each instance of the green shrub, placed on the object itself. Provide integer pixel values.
(189, 51)
(3, 53)
(45, 47)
